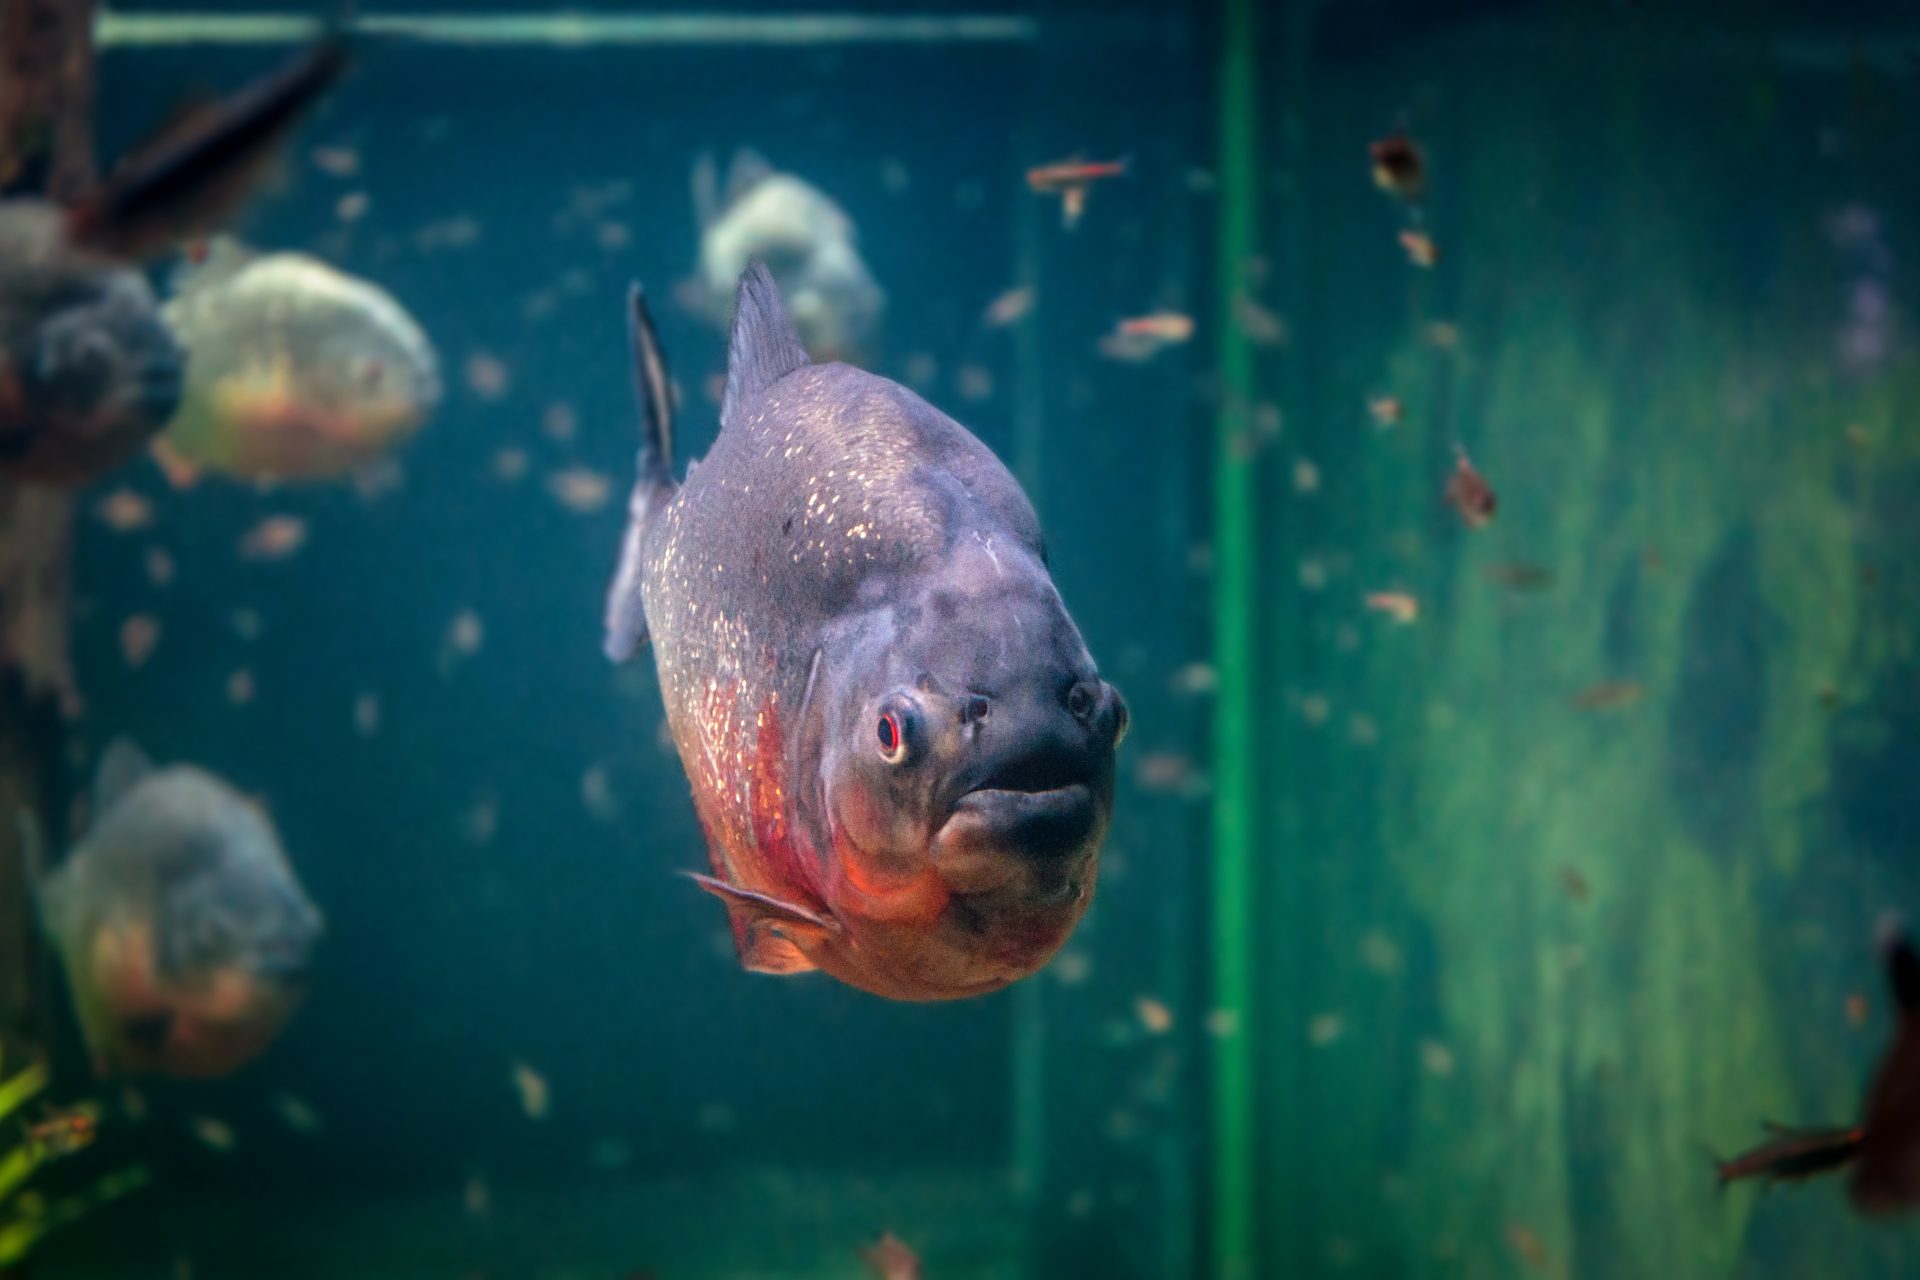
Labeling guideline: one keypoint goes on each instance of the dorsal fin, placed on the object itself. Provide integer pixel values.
(748, 170)
(652, 388)
(626, 614)
(764, 347)
(122, 769)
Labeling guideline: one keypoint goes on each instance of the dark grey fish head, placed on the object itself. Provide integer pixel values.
(96, 372)
(103, 352)
(968, 762)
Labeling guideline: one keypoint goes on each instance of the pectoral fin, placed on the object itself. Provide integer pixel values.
(772, 935)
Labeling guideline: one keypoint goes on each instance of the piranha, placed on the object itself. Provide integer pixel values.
(901, 752)
(295, 371)
(803, 236)
(186, 939)
(88, 371)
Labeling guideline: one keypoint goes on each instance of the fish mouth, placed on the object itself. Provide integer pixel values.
(1036, 824)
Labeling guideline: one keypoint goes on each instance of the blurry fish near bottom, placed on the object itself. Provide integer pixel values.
(186, 939)
(1883, 1148)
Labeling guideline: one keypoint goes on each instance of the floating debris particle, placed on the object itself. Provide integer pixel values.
(1421, 250)
(215, 1135)
(596, 794)
(1155, 1017)
(1169, 328)
(1306, 476)
(1575, 884)
(336, 161)
(477, 1197)
(1516, 576)
(560, 422)
(1196, 678)
(1260, 325)
(1468, 492)
(1009, 308)
(160, 566)
(1380, 953)
(509, 465)
(124, 511)
(466, 633)
(480, 821)
(532, 1088)
(1167, 773)
(1072, 968)
(580, 489)
(297, 1114)
(352, 206)
(486, 376)
(974, 382)
(1398, 605)
(1386, 410)
(139, 636)
(1324, 1029)
(889, 1259)
(1436, 1059)
(1609, 695)
(366, 714)
(274, 538)
(1526, 1246)
(240, 687)
(1222, 1023)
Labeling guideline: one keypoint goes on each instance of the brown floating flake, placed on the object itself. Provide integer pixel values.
(124, 511)
(580, 489)
(1609, 695)
(1575, 884)
(1468, 492)
(139, 635)
(1009, 308)
(1515, 576)
(1856, 1011)
(1386, 410)
(888, 1258)
(274, 538)
(1421, 250)
(1398, 605)
(1155, 1017)
(1526, 1246)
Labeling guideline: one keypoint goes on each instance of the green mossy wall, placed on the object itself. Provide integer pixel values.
(1572, 950)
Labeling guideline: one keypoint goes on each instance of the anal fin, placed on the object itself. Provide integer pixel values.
(772, 935)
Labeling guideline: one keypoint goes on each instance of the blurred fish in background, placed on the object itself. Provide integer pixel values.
(295, 371)
(186, 938)
(806, 240)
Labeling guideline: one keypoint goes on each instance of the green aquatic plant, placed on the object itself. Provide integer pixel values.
(26, 1216)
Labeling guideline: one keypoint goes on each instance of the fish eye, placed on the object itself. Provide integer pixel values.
(893, 731)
